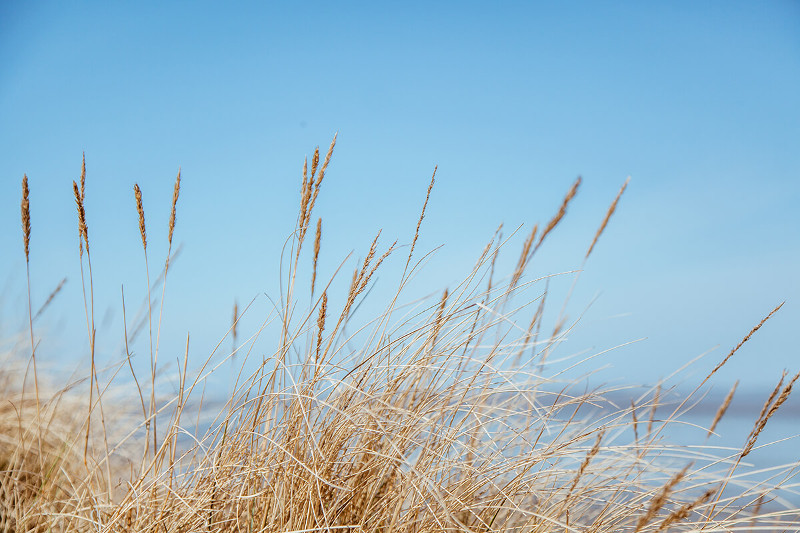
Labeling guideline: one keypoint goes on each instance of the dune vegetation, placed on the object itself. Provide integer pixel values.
(439, 416)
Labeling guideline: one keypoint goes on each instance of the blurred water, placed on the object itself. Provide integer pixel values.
(774, 460)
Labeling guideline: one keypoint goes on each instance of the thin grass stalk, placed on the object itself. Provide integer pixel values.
(175, 193)
(83, 240)
(25, 212)
(151, 410)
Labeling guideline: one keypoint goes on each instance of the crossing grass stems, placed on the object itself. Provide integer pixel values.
(425, 426)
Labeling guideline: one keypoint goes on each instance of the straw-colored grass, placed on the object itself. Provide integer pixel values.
(440, 416)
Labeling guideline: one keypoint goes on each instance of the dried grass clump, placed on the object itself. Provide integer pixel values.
(44, 484)
(440, 416)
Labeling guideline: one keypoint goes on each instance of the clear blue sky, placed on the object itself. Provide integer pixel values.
(696, 101)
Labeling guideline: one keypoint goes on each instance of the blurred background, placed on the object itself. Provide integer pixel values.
(695, 101)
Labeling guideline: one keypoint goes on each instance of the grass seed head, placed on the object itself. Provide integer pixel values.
(323, 309)
(768, 410)
(573, 190)
(83, 229)
(661, 498)
(317, 239)
(83, 176)
(314, 163)
(422, 215)
(25, 208)
(744, 340)
(137, 192)
(611, 209)
(175, 192)
(723, 408)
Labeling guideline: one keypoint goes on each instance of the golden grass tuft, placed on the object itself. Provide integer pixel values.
(438, 415)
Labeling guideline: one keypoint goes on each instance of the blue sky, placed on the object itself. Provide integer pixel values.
(696, 101)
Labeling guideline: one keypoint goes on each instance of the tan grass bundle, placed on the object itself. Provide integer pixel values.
(440, 417)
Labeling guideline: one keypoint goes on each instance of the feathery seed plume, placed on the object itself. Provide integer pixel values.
(592, 452)
(314, 163)
(561, 212)
(25, 208)
(321, 321)
(654, 408)
(768, 410)
(235, 325)
(722, 409)
(524, 257)
(140, 209)
(50, 298)
(83, 230)
(684, 511)
(744, 340)
(83, 176)
(611, 209)
(175, 192)
(422, 215)
(317, 239)
(321, 173)
(661, 498)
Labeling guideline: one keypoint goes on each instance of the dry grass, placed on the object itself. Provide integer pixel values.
(723, 408)
(442, 418)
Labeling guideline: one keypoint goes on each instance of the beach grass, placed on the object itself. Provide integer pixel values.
(437, 415)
